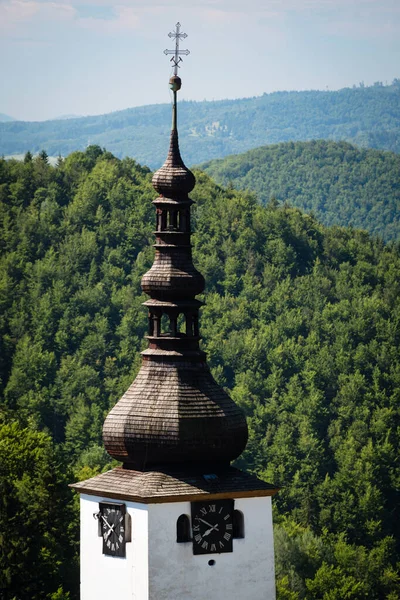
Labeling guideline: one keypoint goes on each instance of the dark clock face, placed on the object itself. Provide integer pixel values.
(212, 526)
(112, 521)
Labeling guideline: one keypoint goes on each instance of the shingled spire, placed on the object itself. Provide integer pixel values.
(174, 412)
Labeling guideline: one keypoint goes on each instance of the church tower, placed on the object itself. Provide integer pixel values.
(175, 521)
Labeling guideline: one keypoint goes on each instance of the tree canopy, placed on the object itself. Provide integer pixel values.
(338, 183)
(301, 325)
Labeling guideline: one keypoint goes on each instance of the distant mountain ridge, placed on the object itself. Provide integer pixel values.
(5, 118)
(339, 183)
(65, 117)
(365, 116)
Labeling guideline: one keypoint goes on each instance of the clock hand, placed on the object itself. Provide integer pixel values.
(206, 522)
(210, 530)
(105, 521)
(110, 528)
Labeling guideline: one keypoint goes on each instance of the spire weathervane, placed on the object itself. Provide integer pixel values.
(176, 58)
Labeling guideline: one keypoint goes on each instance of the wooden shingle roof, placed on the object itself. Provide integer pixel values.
(174, 412)
(161, 486)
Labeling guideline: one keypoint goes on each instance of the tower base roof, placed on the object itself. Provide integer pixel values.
(173, 485)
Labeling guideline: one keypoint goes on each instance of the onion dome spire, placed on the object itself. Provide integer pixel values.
(174, 178)
(174, 412)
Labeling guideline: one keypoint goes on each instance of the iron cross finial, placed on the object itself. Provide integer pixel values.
(176, 58)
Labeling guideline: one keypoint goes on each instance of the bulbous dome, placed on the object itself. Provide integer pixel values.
(173, 413)
(173, 275)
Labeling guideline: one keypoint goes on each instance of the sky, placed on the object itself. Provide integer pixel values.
(67, 57)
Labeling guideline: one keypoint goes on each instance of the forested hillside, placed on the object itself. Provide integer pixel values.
(301, 325)
(365, 116)
(339, 183)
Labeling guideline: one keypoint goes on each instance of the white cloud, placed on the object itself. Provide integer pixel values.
(14, 13)
(340, 17)
(126, 19)
(57, 10)
(17, 10)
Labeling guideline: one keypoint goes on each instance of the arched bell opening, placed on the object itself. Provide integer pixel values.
(189, 324)
(181, 324)
(184, 220)
(173, 319)
(185, 324)
(238, 524)
(173, 219)
(165, 323)
(183, 529)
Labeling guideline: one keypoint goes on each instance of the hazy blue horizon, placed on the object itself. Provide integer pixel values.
(83, 116)
(95, 57)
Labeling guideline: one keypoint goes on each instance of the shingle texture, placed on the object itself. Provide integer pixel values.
(173, 275)
(173, 178)
(164, 485)
(174, 411)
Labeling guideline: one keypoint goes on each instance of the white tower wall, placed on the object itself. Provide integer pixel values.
(111, 577)
(156, 567)
(247, 573)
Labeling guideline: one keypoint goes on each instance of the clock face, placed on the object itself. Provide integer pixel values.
(112, 521)
(212, 526)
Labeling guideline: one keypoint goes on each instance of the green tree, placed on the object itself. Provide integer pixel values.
(38, 525)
